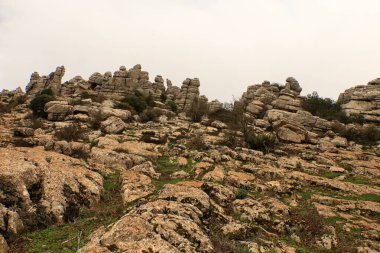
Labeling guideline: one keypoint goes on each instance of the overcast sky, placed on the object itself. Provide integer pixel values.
(328, 45)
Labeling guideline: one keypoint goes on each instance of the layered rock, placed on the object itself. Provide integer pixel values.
(173, 223)
(189, 92)
(262, 97)
(38, 83)
(7, 96)
(172, 92)
(362, 100)
(214, 105)
(39, 187)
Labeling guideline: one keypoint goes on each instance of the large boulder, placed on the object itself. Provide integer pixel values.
(303, 118)
(113, 125)
(189, 92)
(363, 100)
(43, 188)
(53, 82)
(292, 133)
(58, 110)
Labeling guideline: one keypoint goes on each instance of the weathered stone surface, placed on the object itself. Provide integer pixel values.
(214, 105)
(310, 122)
(135, 186)
(53, 82)
(362, 100)
(3, 245)
(113, 125)
(44, 187)
(107, 112)
(292, 133)
(58, 110)
(189, 92)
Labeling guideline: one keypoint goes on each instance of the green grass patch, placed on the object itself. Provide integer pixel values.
(241, 193)
(166, 168)
(330, 175)
(358, 180)
(305, 195)
(364, 197)
(63, 238)
(333, 220)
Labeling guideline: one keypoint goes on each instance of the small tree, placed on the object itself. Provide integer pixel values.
(197, 110)
(37, 105)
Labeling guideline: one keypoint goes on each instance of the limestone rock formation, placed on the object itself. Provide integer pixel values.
(362, 100)
(262, 97)
(214, 105)
(189, 92)
(53, 81)
(154, 181)
(39, 187)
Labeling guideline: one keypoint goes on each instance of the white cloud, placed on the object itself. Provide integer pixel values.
(327, 45)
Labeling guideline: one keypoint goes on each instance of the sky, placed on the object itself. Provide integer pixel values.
(327, 45)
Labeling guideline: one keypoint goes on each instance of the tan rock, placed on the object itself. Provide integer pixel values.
(135, 186)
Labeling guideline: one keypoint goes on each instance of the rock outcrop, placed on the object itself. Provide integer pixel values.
(262, 97)
(53, 81)
(40, 188)
(363, 100)
(189, 92)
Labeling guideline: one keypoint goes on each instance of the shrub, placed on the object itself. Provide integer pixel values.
(150, 114)
(197, 143)
(98, 98)
(328, 109)
(96, 120)
(163, 97)
(36, 123)
(367, 135)
(197, 110)
(37, 105)
(311, 223)
(263, 142)
(152, 137)
(241, 193)
(150, 101)
(47, 91)
(7, 108)
(230, 139)
(225, 116)
(72, 132)
(137, 103)
(172, 105)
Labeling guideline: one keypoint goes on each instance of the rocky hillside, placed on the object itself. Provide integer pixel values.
(118, 163)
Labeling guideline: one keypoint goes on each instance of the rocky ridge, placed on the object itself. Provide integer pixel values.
(181, 188)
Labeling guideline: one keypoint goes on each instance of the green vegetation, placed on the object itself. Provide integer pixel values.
(150, 114)
(172, 105)
(364, 197)
(306, 195)
(135, 102)
(333, 220)
(328, 109)
(223, 115)
(358, 180)
(241, 193)
(72, 132)
(37, 105)
(198, 109)
(263, 142)
(368, 135)
(7, 108)
(197, 143)
(98, 98)
(64, 238)
(166, 168)
(330, 175)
